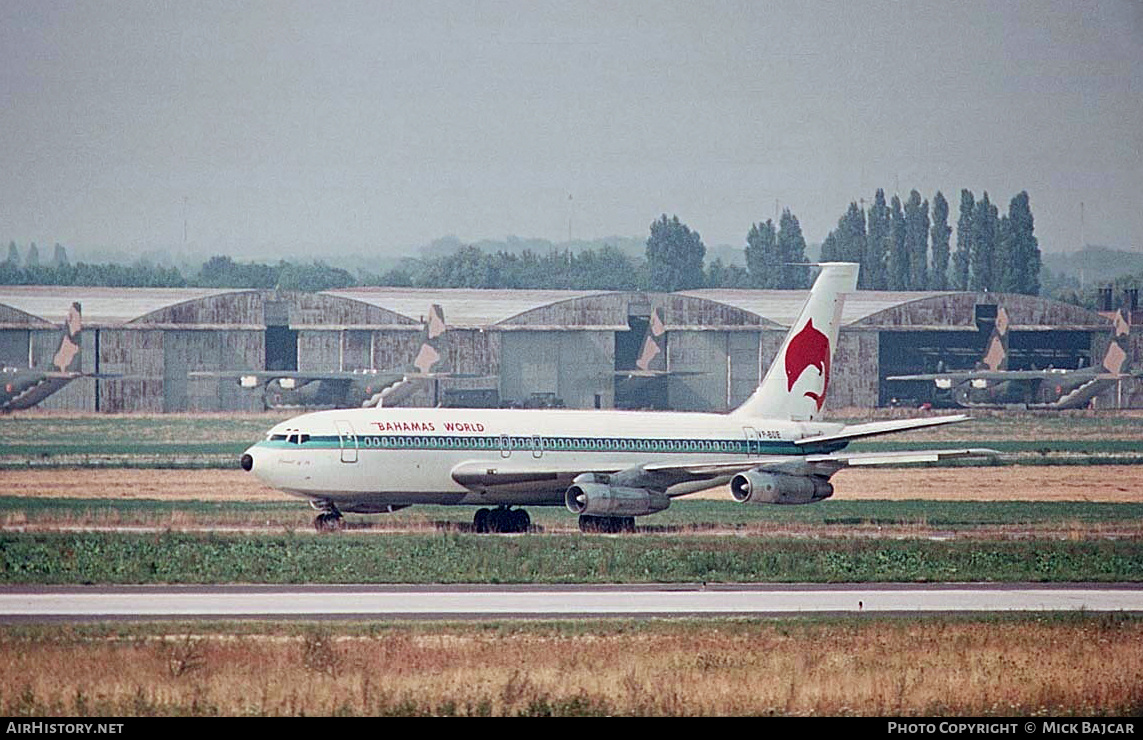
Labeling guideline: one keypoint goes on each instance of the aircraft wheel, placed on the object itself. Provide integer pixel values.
(328, 522)
(521, 521)
(480, 520)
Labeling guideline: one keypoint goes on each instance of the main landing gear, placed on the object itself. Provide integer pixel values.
(329, 520)
(501, 519)
(606, 524)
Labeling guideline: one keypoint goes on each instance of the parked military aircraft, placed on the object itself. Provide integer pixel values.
(993, 385)
(22, 388)
(637, 385)
(288, 389)
(606, 466)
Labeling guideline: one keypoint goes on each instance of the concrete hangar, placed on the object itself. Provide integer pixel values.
(527, 348)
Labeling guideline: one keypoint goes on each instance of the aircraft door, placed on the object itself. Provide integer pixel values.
(347, 438)
(505, 446)
(537, 446)
(753, 442)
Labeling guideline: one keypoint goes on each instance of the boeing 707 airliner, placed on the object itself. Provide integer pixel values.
(606, 466)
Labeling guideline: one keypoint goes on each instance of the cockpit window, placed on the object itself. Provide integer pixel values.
(276, 437)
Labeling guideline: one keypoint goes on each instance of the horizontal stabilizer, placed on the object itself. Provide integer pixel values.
(874, 428)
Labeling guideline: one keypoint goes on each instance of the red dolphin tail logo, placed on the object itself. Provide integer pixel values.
(808, 348)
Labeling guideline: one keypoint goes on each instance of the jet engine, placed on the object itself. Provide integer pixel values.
(757, 487)
(600, 499)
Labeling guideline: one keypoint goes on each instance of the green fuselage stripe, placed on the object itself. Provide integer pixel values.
(549, 444)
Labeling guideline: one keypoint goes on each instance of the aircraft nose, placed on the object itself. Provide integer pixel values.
(247, 462)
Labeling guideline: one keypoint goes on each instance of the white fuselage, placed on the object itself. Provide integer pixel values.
(403, 456)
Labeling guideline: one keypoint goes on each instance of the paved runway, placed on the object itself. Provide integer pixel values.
(43, 603)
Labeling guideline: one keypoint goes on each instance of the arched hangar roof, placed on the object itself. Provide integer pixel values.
(506, 310)
(463, 307)
(913, 309)
(45, 306)
(49, 304)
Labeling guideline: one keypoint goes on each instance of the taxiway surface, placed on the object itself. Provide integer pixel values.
(36, 603)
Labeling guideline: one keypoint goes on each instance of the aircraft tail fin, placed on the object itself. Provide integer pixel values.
(67, 356)
(431, 357)
(1116, 359)
(651, 354)
(796, 383)
(996, 351)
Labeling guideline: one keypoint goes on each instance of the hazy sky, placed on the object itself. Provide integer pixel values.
(317, 127)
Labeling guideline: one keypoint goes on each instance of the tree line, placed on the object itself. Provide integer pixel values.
(906, 246)
(217, 272)
(900, 246)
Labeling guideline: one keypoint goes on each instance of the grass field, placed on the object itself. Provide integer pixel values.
(125, 558)
(1042, 516)
(1011, 666)
(856, 518)
(217, 440)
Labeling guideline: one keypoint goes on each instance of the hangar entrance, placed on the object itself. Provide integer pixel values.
(634, 388)
(281, 340)
(281, 348)
(14, 348)
(1050, 348)
(917, 352)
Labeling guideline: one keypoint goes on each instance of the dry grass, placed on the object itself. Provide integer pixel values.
(128, 484)
(1098, 483)
(1083, 666)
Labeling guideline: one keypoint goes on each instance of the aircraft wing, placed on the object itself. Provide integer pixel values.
(658, 373)
(968, 376)
(254, 378)
(823, 464)
(660, 476)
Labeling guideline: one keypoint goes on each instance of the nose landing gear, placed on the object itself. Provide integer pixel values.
(329, 520)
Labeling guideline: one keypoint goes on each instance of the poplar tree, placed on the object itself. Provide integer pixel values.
(939, 236)
(792, 248)
(1024, 249)
(917, 241)
(874, 273)
(762, 259)
(674, 256)
(962, 259)
(831, 246)
(851, 235)
(898, 250)
(983, 248)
